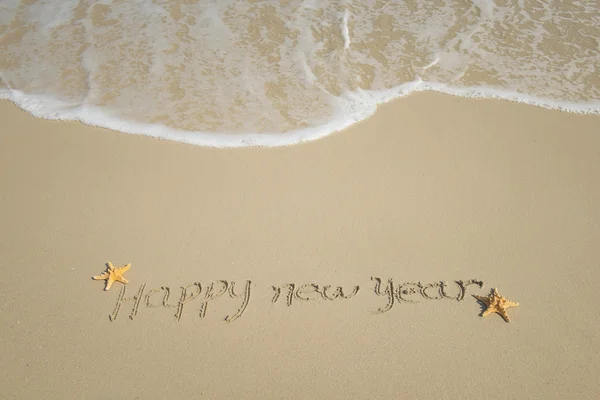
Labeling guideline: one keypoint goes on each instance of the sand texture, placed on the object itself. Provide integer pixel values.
(432, 188)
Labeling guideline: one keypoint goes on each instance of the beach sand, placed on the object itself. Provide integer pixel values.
(431, 188)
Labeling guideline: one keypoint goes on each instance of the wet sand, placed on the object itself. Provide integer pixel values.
(432, 188)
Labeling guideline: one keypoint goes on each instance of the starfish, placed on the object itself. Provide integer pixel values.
(112, 275)
(496, 303)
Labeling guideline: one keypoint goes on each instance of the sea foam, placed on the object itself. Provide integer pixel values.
(263, 73)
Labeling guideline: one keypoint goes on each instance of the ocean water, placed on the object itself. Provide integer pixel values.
(229, 73)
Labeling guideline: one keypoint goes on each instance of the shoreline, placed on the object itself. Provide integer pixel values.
(97, 118)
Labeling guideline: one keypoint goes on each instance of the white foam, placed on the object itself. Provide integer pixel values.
(353, 107)
(435, 60)
(345, 33)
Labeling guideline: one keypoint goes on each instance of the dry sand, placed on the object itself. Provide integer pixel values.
(431, 188)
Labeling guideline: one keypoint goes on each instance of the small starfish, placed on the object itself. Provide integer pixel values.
(496, 303)
(112, 275)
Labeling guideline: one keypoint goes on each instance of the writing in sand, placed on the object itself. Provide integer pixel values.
(288, 294)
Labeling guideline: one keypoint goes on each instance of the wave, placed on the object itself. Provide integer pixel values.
(263, 73)
(358, 106)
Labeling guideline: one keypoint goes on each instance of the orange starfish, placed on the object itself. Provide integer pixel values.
(496, 303)
(112, 275)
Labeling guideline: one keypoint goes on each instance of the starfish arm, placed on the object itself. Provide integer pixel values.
(101, 277)
(504, 315)
(487, 312)
(511, 304)
(110, 266)
(122, 280)
(483, 299)
(109, 283)
(125, 268)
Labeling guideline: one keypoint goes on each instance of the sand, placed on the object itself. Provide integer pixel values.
(431, 188)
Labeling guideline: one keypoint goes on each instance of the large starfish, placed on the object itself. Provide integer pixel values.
(112, 275)
(496, 304)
